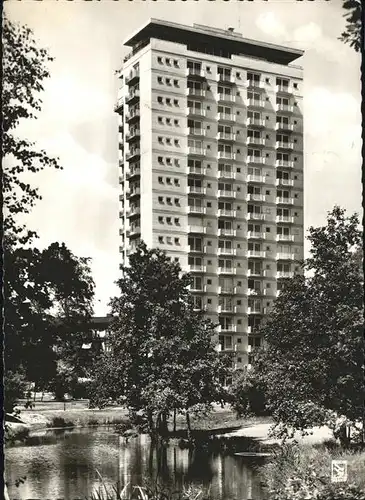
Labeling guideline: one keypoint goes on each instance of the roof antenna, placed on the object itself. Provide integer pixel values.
(231, 30)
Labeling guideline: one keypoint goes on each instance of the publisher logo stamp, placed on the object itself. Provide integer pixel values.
(339, 471)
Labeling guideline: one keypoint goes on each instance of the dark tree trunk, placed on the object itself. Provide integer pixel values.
(188, 425)
(174, 420)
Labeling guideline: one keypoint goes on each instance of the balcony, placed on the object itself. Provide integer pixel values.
(226, 329)
(193, 92)
(134, 231)
(284, 145)
(196, 151)
(226, 155)
(258, 160)
(256, 235)
(285, 218)
(196, 190)
(255, 122)
(256, 197)
(284, 201)
(226, 213)
(284, 237)
(198, 290)
(133, 154)
(285, 256)
(132, 77)
(196, 72)
(134, 192)
(284, 89)
(196, 210)
(256, 103)
(256, 178)
(284, 108)
(254, 291)
(197, 269)
(257, 141)
(132, 115)
(227, 308)
(284, 274)
(227, 251)
(284, 163)
(195, 170)
(227, 270)
(259, 254)
(226, 78)
(227, 232)
(226, 117)
(285, 127)
(227, 291)
(257, 273)
(195, 250)
(284, 182)
(133, 211)
(254, 310)
(195, 112)
(132, 96)
(223, 136)
(133, 172)
(226, 174)
(133, 135)
(196, 131)
(118, 108)
(197, 229)
(226, 194)
(255, 216)
(226, 98)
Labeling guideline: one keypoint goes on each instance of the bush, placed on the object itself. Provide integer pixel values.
(82, 389)
(247, 394)
(60, 422)
(15, 385)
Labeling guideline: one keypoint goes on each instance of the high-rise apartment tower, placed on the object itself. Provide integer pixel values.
(211, 166)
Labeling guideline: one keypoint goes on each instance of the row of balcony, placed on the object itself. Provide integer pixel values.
(230, 117)
(234, 270)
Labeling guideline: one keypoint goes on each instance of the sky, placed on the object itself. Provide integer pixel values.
(78, 124)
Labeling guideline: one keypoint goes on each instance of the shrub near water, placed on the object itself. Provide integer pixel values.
(304, 472)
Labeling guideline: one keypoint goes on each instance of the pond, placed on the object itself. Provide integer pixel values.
(64, 464)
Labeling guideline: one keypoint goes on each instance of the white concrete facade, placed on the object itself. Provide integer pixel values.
(211, 168)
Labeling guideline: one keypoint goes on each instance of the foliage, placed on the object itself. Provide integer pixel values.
(304, 472)
(15, 385)
(248, 393)
(312, 365)
(162, 357)
(352, 34)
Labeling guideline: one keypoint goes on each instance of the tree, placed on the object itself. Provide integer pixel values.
(353, 34)
(312, 362)
(248, 393)
(161, 356)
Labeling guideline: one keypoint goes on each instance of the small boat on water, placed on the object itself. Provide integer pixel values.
(253, 454)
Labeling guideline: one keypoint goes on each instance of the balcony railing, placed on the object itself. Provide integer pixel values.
(284, 163)
(226, 98)
(256, 197)
(225, 78)
(255, 122)
(284, 126)
(134, 211)
(196, 210)
(256, 235)
(193, 169)
(197, 268)
(255, 216)
(284, 237)
(226, 213)
(195, 111)
(197, 229)
(284, 274)
(254, 291)
(257, 141)
(134, 231)
(226, 155)
(284, 182)
(132, 96)
(195, 72)
(284, 218)
(133, 134)
(226, 329)
(197, 151)
(285, 256)
(226, 117)
(227, 308)
(229, 290)
(225, 174)
(227, 232)
(285, 108)
(226, 194)
(196, 131)
(131, 154)
(284, 201)
(134, 192)
(132, 115)
(256, 178)
(225, 136)
(255, 159)
(196, 190)
(256, 103)
(191, 91)
(133, 172)
(133, 76)
(284, 89)
(227, 251)
(227, 270)
(254, 272)
(261, 254)
(284, 145)
(254, 310)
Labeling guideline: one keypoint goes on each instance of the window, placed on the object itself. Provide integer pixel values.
(159, 119)
(160, 180)
(177, 241)
(168, 121)
(176, 122)
(159, 99)
(168, 161)
(160, 239)
(176, 182)
(160, 159)
(160, 139)
(159, 60)
(282, 82)
(177, 201)
(159, 79)
(168, 81)
(176, 102)
(168, 61)
(176, 83)
(177, 222)
(176, 63)
(160, 199)
(168, 180)
(160, 220)
(168, 141)
(176, 142)
(253, 78)
(168, 101)
(168, 201)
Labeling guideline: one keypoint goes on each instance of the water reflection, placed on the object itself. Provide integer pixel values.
(64, 466)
